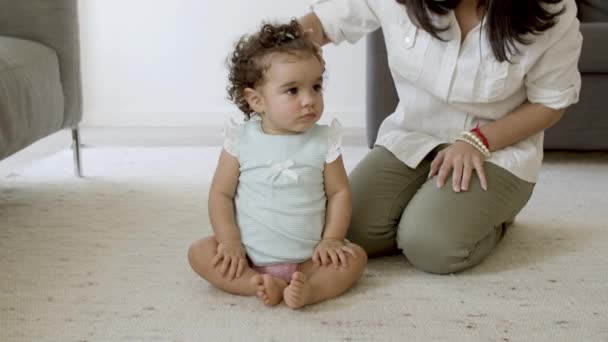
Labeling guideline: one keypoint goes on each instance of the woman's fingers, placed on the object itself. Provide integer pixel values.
(457, 174)
(478, 164)
(444, 172)
(436, 163)
(460, 160)
(466, 176)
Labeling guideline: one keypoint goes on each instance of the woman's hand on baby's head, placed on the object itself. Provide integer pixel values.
(332, 252)
(230, 259)
(309, 34)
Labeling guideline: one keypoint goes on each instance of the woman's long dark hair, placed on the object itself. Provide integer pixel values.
(509, 21)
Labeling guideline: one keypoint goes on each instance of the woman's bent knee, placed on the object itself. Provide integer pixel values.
(372, 243)
(438, 256)
(444, 249)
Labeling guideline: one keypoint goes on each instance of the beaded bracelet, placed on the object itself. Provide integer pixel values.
(481, 136)
(474, 141)
(486, 156)
(472, 137)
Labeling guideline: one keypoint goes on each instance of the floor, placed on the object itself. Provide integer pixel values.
(102, 258)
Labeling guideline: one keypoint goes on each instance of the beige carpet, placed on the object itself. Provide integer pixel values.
(104, 259)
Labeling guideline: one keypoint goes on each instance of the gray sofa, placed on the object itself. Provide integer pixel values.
(40, 83)
(583, 127)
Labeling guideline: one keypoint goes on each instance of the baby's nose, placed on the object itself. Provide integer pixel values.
(307, 100)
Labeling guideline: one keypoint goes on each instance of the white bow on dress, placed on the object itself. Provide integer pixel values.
(282, 168)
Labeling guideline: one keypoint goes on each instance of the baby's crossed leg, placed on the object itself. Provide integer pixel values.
(313, 284)
(250, 283)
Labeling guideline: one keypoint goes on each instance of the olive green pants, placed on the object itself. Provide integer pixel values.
(398, 209)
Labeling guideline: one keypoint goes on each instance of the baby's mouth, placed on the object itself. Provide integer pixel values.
(309, 116)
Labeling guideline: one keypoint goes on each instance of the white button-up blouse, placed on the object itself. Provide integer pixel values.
(446, 87)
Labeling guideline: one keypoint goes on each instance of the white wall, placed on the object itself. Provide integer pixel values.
(161, 62)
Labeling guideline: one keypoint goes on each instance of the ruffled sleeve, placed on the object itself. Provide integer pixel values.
(334, 141)
(232, 131)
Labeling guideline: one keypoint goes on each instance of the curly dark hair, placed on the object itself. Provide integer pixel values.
(245, 64)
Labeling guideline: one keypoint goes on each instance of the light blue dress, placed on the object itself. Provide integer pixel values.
(280, 199)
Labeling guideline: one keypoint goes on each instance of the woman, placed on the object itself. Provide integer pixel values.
(478, 83)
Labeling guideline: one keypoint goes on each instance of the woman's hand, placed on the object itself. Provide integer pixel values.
(310, 35)
(230, 258)
(332, 252)
(463, 159)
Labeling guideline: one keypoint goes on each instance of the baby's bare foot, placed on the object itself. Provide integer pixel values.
(268, 288)
(299, 291)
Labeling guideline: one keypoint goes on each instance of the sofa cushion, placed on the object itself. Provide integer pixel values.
(31, 96)
(594, 55)
(53, 23)
(593, 10)
(584, 126)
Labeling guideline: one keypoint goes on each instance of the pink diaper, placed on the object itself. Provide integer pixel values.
(281, 271)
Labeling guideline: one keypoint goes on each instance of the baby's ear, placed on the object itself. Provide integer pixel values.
(255, 100)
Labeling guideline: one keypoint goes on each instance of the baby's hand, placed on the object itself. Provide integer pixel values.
(332, 252)
(230, 258)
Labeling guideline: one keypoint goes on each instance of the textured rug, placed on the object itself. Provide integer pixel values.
(104, 259)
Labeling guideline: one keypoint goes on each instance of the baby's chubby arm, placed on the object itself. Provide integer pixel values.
(339, 206)
(230, 252)
(331, 249)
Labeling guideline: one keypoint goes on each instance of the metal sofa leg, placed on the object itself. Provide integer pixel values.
(76, 150)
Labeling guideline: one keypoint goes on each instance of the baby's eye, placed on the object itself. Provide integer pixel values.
(292, 91)
(318, 87)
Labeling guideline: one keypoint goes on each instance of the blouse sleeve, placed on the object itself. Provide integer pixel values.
(334, 142)
(346, 19)
(232, 131)
(554, 80)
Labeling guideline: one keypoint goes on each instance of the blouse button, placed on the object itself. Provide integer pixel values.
(408, 40)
